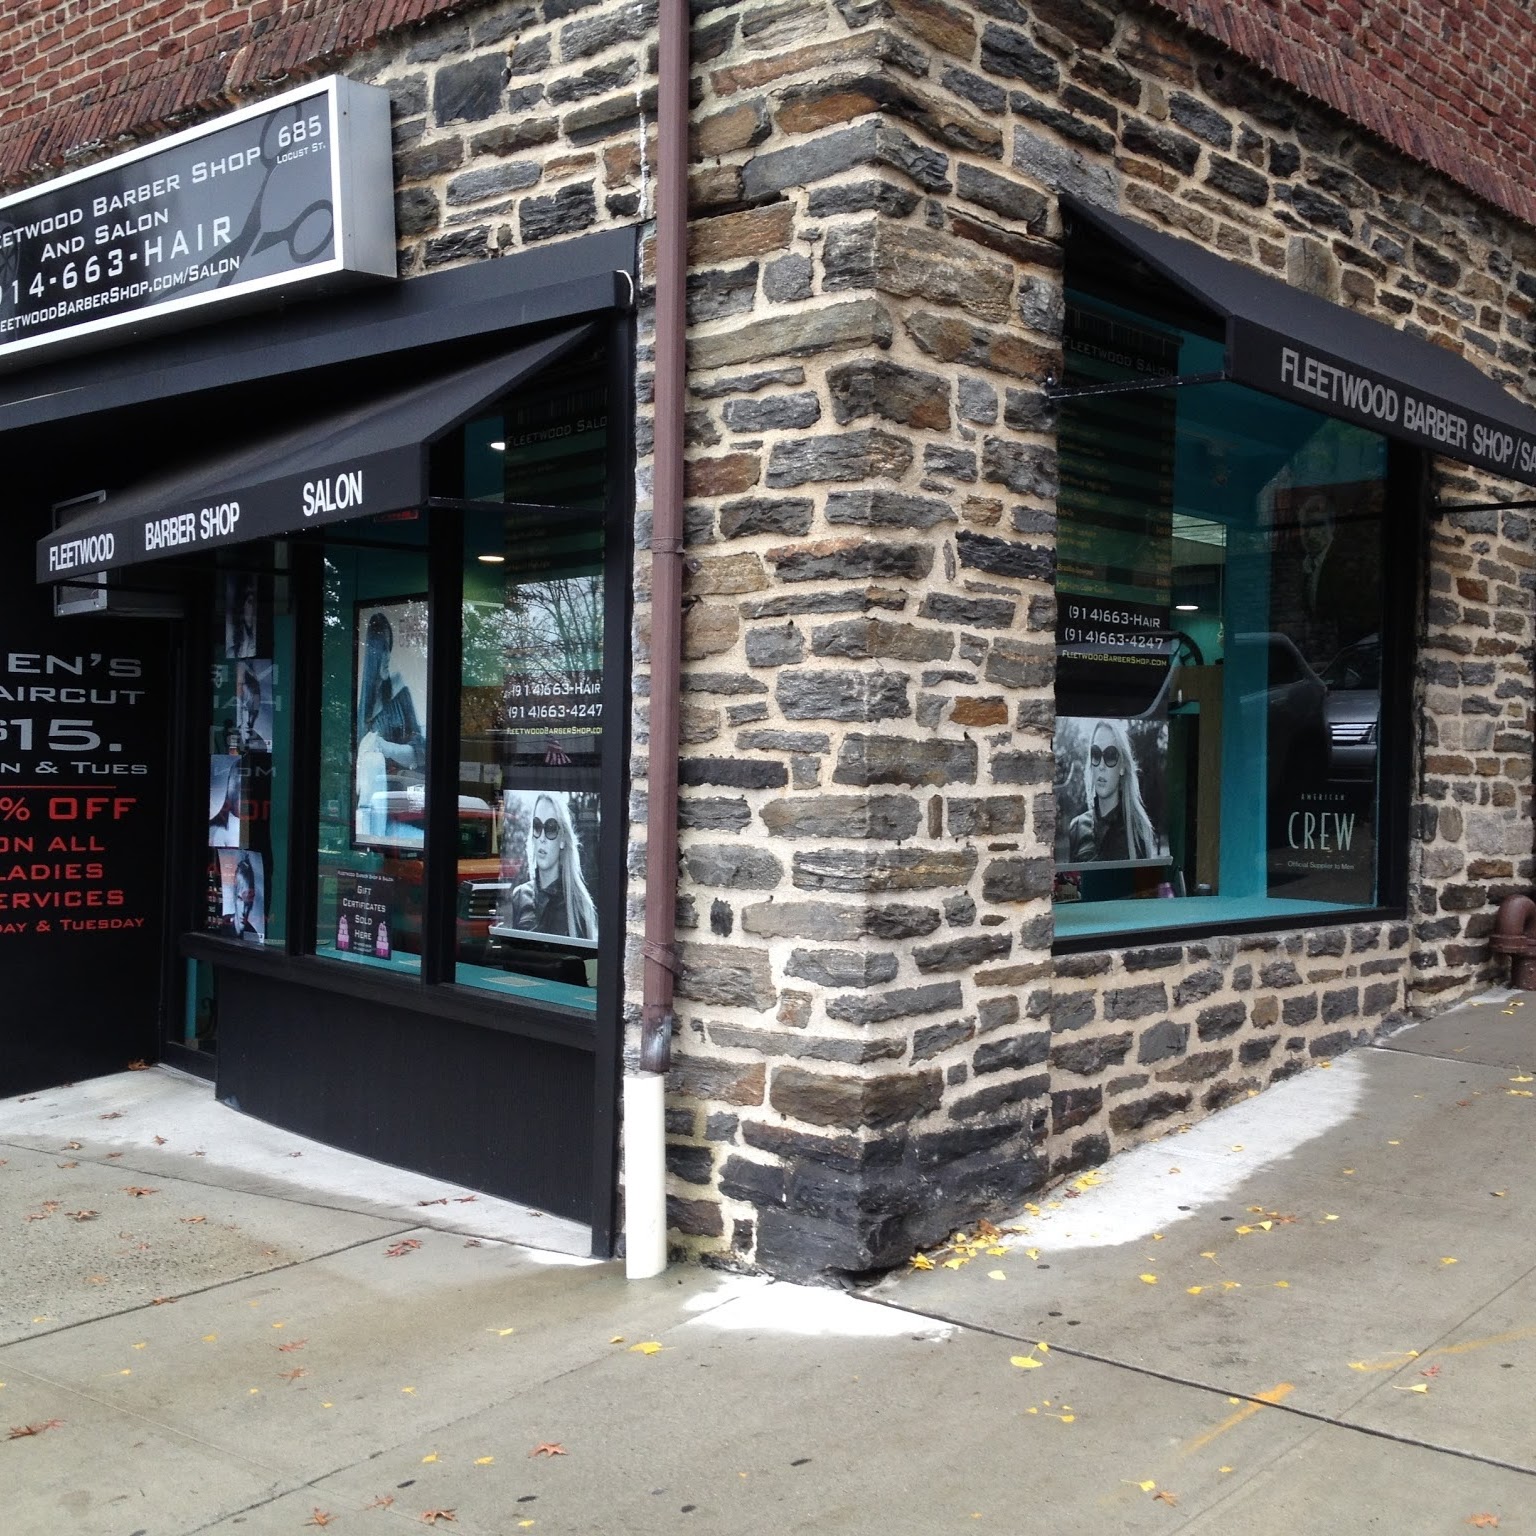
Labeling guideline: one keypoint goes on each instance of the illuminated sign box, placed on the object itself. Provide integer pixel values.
(262, 204)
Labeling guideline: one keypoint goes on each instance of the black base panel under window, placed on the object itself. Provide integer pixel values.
(490, 1110)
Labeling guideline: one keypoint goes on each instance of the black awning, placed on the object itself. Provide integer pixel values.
(1336, 361)
(366, 459)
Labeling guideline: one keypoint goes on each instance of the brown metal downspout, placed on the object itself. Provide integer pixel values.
(671, 261)
(645, 1173)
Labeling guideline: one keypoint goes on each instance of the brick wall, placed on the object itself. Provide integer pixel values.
(1448, 82)
(83, 78)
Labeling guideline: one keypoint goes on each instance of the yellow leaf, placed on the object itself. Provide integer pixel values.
(1498, 1194)
(1394, 1143)
(618, 1338)
(1194, 1290)
(523, 1525)
(1242, 1231)
(1231, 1285)
(141, 1346)
(210, 1338)
(1450, 1261)
(996, 1274)
(1026, 1362)
(1069, 1418)
(1157, 1237)
(1031, 1410)
(430, 1456)
(501, 1333)
(921, 1261)
(1519, 1093)
(1267, 1225)
(1031, 1253)
(1147, 1486)
(1043, 1347)
(409, 1391)
(1147, 1279)
(997, 1253)
(1237, 1146)
(1329, 1217)
(1282, 1285)
(1524, 1077)
(1223, 1469)
(650, 1347)
(1211, 1255)
(484, 1461)
(1349, 1170)
(1419, 1386)
(1034, 1210)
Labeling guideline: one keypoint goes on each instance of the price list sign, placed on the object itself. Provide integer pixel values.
(264, 202)
(79, 786)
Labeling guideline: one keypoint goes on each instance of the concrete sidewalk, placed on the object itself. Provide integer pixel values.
(1315, 1312)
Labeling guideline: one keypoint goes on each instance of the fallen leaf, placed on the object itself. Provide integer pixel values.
(139, 1065)
(501, 1333)
(996, 1274)
(111, 1114)
(1031, 1253)
(23, 1431)
(1147, 1279)
(294, 1374)
(1450, 1261)
(137, 1190)
(441, 1200)
(1420, 1387)
(464, 1199)
(383, 1501)
(159, 1141)
(650, 1347)
(473, 1242)
(548, 1448)
(431, 1456)
(71, 1146)
(1194, 1290)
(484, 1461)
(921, 1261)
(1026, 1362)
(162, 1301)
(1520, 1093)
(432, 1516)
(618, 1338)
(403, 1247)
(1147, 1486)
(320, 1517)
(62, 1165)
(291, 1346)
(1163, 1496)
(1484, 1522)
(193, 1221)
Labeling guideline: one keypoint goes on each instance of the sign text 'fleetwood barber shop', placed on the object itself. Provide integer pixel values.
(266, 200)
(1352, 392)
(371, 484)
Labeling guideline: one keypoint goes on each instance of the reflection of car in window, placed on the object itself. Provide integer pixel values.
(1353, 709)
(1292, 704)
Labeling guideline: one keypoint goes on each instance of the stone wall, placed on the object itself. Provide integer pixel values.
(875, 1040)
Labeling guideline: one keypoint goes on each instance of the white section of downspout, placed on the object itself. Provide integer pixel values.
(645, 1175)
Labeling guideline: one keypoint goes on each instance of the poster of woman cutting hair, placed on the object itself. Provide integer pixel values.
(389, 758)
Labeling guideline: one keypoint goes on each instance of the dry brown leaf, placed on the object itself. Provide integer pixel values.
(138, 1065)
(21, 1432)
(294, 1374)
(162, 1301)
(137, 1190)
(66, 1165)
(1162, 1496)
(432, 1516)
(441, 1200)
(464, 1199)
(548, 1448)
(291, 1346)
(383, 1501)
(1484, 1522)
(320, 1517)
(403, 1247)
(81, 1215)
(193, 1221)
(71, 1146)
(159, 1141)
(111, 1114)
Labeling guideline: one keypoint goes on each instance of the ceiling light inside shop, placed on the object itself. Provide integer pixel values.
(1179, 607)
(497, 447)
(492, 559)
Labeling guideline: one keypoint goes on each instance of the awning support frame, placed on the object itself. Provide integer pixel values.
(1054, 391)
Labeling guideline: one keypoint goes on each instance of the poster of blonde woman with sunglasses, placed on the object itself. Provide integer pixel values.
(1111, 792)
(548, 854)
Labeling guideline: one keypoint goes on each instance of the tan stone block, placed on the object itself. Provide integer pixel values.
(718, 575)
(755, 72)
(727, 475)
(621, 164)
(723, 133)
(709, 629)
(811, 115)
(946, 27)
(973, 711)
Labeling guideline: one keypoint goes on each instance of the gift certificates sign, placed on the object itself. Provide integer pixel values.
(254, 206)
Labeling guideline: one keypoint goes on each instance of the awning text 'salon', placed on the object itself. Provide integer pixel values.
(1330, 359)
(358, 462)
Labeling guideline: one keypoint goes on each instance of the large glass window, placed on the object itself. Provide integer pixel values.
(1220, 623)
(373, 745)
(249, 755)
(531, 705)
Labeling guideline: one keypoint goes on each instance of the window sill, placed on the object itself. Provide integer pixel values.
(1180, 919)
(468, 1005)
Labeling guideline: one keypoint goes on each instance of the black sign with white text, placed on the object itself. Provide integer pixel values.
(265, 200)
(1269, 361)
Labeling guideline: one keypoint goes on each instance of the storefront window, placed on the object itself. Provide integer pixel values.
(249, 753)
(373, 746)
(531, 718)
(1220, 623)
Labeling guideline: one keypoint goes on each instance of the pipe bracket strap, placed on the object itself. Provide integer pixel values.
(666, 546)
(664, 955)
